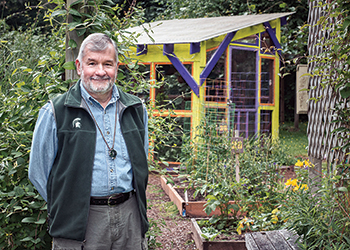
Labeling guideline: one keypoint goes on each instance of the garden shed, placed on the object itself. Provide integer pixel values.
(225, 68)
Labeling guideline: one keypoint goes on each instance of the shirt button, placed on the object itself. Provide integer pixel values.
(112, 188)
(111, 170)
(107, 132)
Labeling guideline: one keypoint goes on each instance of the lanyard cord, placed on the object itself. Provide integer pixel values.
(112, 152)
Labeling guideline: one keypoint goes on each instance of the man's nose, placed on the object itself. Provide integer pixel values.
(100, 70)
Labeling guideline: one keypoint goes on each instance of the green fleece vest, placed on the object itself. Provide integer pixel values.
(69, 182)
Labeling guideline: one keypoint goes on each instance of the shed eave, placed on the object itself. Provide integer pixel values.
(184, 31)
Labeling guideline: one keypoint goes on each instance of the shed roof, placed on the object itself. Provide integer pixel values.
(196, 30)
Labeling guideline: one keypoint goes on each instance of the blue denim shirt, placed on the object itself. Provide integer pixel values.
(109, 176)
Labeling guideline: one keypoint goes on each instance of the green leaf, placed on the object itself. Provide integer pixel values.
(72, 44)
(19, 191)
(346, 23)
(81, 31)
(41, 221)
(69, 65)
(27, 238)
(345, 92)
(283, 5)
(29, 220)
(234, 207)
(76, 2)
(25, 89)
(343, 189)
(208, 210)
(58, 13)
(73, 25)
(74, 12)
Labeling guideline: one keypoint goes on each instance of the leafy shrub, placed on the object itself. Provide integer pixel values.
(321, 219)
(30, 70)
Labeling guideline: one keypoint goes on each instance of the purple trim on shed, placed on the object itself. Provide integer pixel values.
(273, 37)
(195, 48)
(247, 110)
(215, 58)
(283, 20)
(141, 49)
(168, 50)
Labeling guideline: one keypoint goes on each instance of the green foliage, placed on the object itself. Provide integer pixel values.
(321, 219)
(211, 170)
(21, 14)
(260, 169)
(32, 65)
(219, 196)
(30, 75)
(213, 227)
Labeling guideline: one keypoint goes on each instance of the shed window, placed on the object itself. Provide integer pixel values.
(175, 92)
(267, 81)
(215, 87)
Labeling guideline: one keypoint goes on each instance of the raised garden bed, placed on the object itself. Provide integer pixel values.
(188, 208)
(203, 244)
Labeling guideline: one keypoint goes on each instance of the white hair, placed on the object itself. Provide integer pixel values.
(97, 42)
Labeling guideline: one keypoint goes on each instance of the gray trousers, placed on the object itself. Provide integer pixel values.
(109, 227)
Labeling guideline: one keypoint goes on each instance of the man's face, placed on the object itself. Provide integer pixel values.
(98, 70)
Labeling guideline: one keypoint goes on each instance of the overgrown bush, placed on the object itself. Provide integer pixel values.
(30, 72)
(321, 219)
(32, 65)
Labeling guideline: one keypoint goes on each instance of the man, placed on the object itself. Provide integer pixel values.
(89, 157)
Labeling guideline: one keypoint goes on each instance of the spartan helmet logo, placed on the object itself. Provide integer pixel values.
(76, 123)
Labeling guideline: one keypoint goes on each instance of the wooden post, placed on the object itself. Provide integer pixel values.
(282, 118)
(237, 161)
(296, 118)
(237, 148)
(72, 54)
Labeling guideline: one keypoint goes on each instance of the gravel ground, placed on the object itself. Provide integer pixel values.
(175, 230)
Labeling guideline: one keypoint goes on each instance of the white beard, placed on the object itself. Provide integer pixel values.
(98, 88)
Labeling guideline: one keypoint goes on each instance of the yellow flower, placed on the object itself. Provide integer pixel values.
(296, 188)
(241, 226)
(304, 186)
(288, 182)
(274, 219)
(299, 164)
(275, 211)
(294, 182)
(239, 229)
(308, 163)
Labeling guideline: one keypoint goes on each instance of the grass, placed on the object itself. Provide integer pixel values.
(295, 140)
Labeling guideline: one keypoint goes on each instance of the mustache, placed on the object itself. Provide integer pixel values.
(100, 78)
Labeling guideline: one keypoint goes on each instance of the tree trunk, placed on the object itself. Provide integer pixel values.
(72, 54)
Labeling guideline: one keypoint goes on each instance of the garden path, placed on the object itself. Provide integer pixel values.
(175, 230)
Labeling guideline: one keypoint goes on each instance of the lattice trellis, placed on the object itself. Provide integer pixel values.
(320, 113)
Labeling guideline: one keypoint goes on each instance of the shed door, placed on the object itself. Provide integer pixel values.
(243, 89)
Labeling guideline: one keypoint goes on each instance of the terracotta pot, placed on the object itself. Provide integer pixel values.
(202, 244)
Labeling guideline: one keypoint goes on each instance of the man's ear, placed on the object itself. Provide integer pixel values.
(77, 64)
